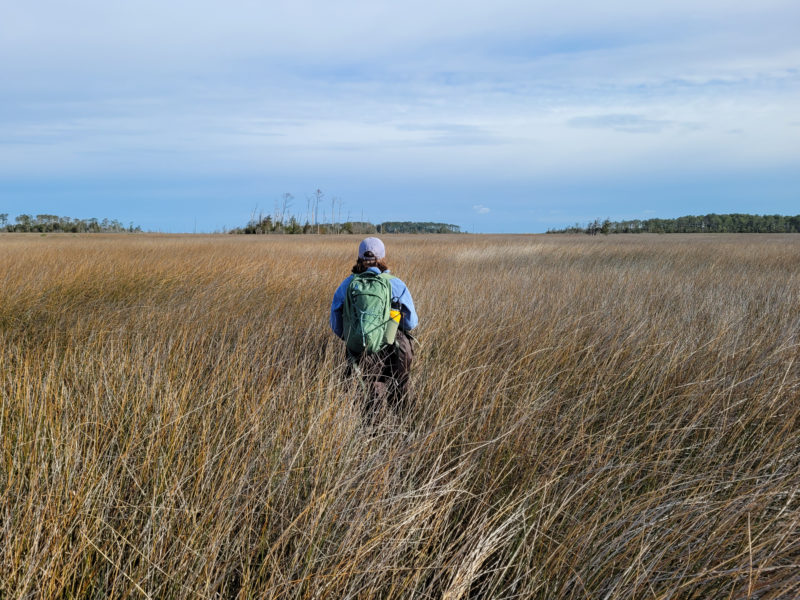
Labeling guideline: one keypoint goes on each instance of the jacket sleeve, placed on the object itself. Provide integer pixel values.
(336, 307)
(401, 296)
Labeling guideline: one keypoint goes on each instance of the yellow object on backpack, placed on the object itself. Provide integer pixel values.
(391, 327)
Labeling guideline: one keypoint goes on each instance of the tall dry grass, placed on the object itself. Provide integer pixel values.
(595, 418)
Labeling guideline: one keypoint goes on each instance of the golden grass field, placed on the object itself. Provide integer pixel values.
(595, 417)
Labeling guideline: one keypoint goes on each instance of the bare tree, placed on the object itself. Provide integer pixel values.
(318, 195)
(286, 204)
(333, 214)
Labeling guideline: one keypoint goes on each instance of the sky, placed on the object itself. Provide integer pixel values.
(504, 116)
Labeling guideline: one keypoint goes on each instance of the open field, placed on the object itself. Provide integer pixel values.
(596, 417)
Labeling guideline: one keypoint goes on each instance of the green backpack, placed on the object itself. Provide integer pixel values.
(368, 326)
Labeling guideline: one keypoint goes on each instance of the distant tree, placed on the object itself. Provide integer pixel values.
(294, 226)
(23, 222)
(318, 195)
(281, 215)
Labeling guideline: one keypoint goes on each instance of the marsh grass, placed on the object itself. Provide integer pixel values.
(594, 418)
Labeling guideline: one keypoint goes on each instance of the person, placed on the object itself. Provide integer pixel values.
(387, 371)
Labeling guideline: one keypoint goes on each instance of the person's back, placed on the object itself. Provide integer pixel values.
(373, 312)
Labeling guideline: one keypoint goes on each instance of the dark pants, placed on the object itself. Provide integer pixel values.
(386, 374)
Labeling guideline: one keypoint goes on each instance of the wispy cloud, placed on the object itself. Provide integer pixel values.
(621, 122)
(447, 134)
(481, 209)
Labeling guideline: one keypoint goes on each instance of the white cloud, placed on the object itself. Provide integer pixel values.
(480, 209)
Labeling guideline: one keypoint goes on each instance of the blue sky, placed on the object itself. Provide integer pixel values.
(503, 116)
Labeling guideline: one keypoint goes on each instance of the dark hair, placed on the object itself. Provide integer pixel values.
(364, 263)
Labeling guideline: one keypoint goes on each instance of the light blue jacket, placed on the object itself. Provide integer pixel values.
(400, 295)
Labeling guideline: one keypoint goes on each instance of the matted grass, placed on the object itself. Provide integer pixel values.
(595, 418)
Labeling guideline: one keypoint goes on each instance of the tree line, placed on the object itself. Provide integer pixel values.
(56, 224)
(323, 215)
(418, 227)
(269, 225)
(710, 223)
